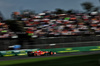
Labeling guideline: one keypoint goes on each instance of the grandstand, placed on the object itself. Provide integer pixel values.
(67, 35)
(5, 32)
(51, 28)
(57, 25)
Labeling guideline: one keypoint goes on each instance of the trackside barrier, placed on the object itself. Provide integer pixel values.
(58, 50)
(74, 49)
(6, 53)
(15, 52)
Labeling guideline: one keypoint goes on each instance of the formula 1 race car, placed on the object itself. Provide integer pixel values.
(40, 53)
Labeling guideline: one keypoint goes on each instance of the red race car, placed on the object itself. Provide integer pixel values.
(40, 53)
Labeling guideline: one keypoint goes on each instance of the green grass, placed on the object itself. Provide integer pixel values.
(86, 60)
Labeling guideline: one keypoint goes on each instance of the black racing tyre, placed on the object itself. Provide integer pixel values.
(47, 54)
(34, 54)
(1, 56)
(29, 54)
(51, 53)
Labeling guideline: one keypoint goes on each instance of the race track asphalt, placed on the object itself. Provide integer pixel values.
(65, 54)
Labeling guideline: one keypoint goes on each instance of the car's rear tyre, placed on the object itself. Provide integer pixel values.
(29, 54)
(34, 54)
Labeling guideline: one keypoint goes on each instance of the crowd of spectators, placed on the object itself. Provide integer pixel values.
(5, 32)
(48, 24)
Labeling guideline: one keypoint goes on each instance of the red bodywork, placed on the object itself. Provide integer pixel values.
(40, 53)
